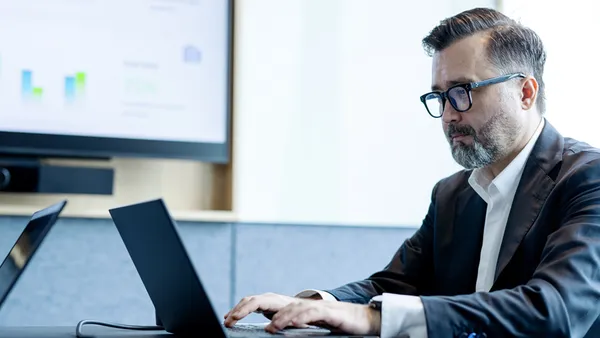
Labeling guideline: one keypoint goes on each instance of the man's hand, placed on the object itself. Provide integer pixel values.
(336, 316)
(268, 302)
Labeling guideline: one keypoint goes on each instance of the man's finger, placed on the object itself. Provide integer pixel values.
(277, 318)
(238, 311)
(237, 306)
(250, 305)
(306, 316)
(297, 315)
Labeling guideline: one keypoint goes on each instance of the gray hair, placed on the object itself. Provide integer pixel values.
(512, 47)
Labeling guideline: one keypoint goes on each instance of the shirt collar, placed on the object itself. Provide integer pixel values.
(508, 179)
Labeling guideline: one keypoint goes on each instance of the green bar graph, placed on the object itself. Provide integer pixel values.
(37, 92)
(80, 82)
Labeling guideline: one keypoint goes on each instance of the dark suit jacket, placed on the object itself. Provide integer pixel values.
(548, 274)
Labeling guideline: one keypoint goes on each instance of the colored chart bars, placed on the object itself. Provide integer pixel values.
(28, 91)
(75, 86)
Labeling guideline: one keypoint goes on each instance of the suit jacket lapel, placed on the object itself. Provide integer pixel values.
(532, 191)
(469, 229)
(455, 212)
(460, 244)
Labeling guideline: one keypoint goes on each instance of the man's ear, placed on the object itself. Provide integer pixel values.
(529, 91)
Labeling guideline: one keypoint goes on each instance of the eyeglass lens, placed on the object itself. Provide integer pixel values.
(458, 97)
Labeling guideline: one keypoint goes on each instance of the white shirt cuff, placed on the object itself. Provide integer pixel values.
(402, 315)
(311, 292)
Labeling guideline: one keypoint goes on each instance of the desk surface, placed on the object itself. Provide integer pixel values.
(95, 331)
(69, 332)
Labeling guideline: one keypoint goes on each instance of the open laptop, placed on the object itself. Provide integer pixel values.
(166, 270)
(26, 246)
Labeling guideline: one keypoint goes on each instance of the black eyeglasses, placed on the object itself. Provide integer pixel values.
(459, 95)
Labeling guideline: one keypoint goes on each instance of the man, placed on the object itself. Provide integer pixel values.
(510, 246)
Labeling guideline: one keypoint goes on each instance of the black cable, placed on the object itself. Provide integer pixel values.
(113, 325)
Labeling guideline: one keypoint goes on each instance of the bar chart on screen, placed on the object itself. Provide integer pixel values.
(29, 91)
(74, 91)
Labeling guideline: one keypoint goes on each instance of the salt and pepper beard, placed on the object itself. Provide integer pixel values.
(490, 144)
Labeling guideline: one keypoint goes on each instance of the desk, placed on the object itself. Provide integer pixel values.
(96, 331)
(69, 332)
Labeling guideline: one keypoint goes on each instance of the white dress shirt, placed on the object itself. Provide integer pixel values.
(404, 314)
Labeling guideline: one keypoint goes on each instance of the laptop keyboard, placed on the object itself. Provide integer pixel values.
(256, 330)
(245, 327)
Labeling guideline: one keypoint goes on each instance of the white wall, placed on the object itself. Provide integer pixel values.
(329, 126)
(569, 30)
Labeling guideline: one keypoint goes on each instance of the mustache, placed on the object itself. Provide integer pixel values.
(458, 129)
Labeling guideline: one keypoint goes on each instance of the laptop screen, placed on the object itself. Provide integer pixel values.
(25, 246)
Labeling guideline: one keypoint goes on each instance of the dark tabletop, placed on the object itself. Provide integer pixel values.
(98, 332)
(69, 331)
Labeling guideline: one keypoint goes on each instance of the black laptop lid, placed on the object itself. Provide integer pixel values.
(158, 253)
(25, 247)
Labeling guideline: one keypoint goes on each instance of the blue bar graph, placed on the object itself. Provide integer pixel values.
(26, 83)
(70, 88)
(75, 87)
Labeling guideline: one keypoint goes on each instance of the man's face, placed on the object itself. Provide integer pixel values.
(487, 131)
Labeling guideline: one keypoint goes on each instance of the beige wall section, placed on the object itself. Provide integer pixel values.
(192, 190)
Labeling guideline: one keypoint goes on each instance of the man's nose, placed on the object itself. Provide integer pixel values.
(449, 114)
